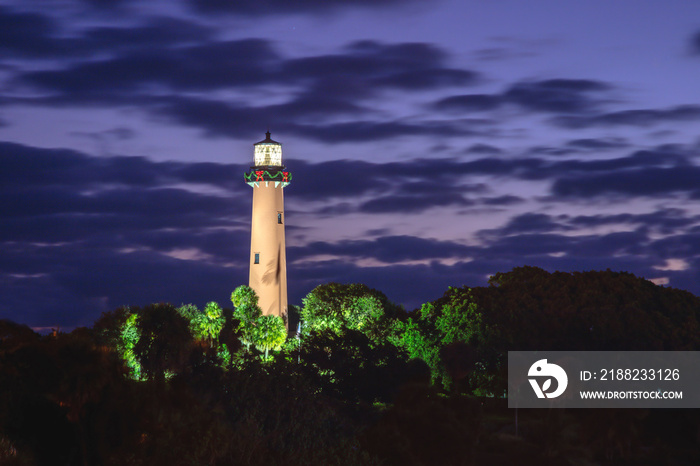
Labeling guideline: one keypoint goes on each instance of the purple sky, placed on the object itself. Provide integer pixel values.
(433, 143)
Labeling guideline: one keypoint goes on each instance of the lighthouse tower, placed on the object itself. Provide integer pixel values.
(268, 263)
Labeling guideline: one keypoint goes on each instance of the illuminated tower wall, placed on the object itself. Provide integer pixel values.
(268, 262)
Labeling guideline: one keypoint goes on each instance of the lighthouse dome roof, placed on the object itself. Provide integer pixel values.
(267, 140)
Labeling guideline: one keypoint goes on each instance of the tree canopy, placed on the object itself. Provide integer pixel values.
(336, 307)
(365, 383)
(264, 332)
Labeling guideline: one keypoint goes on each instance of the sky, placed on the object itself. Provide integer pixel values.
(432, 143)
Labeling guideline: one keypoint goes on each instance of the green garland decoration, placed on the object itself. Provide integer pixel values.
(267, 176)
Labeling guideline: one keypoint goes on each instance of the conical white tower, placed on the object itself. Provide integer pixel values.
(268, 262)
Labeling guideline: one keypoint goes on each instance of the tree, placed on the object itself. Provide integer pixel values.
(204, 327)
(208, 324)
(420, 341)
(108, 328)
(264, 332)
(165, 340)
(529, 309)
(270, 333)
(245, 301)
(444, 334)
(247, 311)
(13, 336)
(128, 338)
(352, 368)
(336, 306)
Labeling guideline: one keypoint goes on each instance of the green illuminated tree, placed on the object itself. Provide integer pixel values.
(164, 342)
(129, 337)
(444, 335)
(270, 333)
(336, 306)
(245, 302)
(208, 324)
(247, 311)
(420, 341)
(263, 332)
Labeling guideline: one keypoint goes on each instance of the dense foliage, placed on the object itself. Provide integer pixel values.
(364, 382)
(264, 332)
(335, 307)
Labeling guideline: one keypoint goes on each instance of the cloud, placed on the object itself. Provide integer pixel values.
(63, 196)
(450, 175)
(483, 149)
(695, 43)
(667, 220)
(30, 35)
(647, 182)
(161, 54)
(428, 79)
(598, 144)
(119, 133)
(547, 241)
(616, 243)
(639, 118)
(412, 203)
(410, 65)
(447, 181)
(106, 4)
(72, 284)
(37, 35)
(196, 67)
(526, 245)
(333, 179)
(401, 187)
(276, 7)
(501, 53)
(575, 96)
(552, 251)
(410, 196)
(394, 187)
(410, 285)
(85, 234)
(221, 119)
(25, 166)
(97, 233)
(389, 249)
(530, 223)
(684, 245)
(505, 200)
(469, 103)
(557, 95)
(546, 150)
(332, 97)
(214, 117)
(154, 32)
(372, 130)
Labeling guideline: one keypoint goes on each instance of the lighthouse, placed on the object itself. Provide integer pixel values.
(268, 262)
